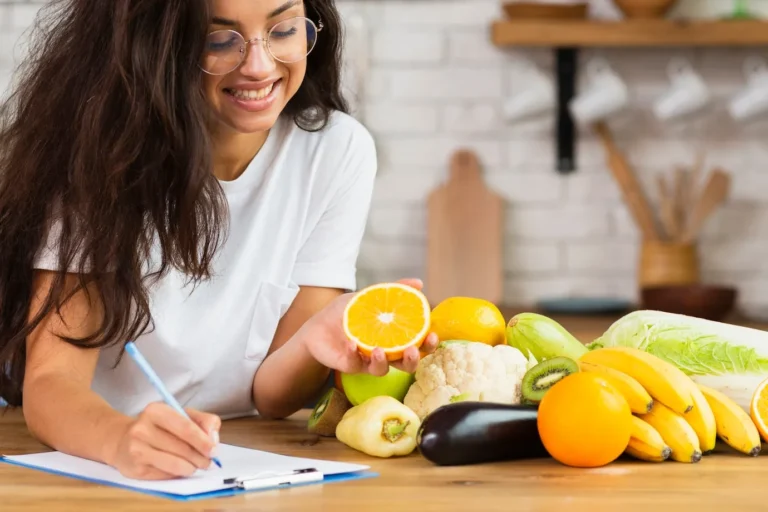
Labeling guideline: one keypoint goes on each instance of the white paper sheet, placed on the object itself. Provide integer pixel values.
(236, 462)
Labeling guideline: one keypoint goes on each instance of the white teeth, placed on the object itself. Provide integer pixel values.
(251, 94)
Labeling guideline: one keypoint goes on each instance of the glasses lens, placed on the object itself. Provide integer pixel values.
(224, 50)
(292, 40)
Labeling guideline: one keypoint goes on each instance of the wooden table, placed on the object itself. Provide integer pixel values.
(720, 482)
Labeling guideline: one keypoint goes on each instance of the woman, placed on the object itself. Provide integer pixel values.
(167, 182)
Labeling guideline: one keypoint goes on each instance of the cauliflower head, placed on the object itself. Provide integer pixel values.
(460, 370)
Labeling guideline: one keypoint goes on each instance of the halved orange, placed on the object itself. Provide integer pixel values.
(758, 409)
(391, 316)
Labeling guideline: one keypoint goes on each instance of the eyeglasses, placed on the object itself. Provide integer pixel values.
(289, 41)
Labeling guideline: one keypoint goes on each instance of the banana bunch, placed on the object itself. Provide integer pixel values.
(673, 417)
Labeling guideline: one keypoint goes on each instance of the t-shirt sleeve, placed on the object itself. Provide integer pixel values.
(47, 257)
(328, 257)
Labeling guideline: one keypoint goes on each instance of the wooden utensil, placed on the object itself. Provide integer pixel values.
(464, 235)
(694, 179)
(713, 195)
(668, 215)
(681, 200)
(631, 190)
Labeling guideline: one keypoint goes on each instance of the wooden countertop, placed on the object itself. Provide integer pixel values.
(720, 481)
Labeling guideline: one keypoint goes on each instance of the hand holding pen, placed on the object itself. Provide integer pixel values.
(166, 441)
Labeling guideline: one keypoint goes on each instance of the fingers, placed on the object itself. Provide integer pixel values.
(430, 344)
(378, 365)
(410, 360)
(169, 464)
(411, 357)
(161, 440)
(147, 454)
(412, 282)
(210, 423)
(164, 417)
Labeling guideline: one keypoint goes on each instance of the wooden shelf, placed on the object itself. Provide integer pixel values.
(567, 37)
(641, 33)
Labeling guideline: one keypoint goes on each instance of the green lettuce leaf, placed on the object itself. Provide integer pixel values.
(695, 345)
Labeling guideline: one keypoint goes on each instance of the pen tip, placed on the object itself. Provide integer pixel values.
(216, 461)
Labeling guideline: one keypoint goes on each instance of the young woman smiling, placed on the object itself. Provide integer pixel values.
(183, 174)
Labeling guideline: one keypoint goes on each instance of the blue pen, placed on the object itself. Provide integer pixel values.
(142, 363)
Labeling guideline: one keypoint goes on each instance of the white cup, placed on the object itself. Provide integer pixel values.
(537, 98)
(605, 94)
(753, 100)
(687, 94)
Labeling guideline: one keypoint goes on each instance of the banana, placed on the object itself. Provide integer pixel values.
(702, 419)
(734, 426)
(676, 432)
(639, 400)
(664, 382)
(646, 443)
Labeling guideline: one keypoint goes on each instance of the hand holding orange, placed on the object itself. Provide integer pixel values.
(389, 316)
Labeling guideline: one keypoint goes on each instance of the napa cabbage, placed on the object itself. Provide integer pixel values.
(730, 358)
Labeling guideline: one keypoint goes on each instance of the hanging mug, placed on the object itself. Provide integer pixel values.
(687, 94)
(605, 94)
(753, 100)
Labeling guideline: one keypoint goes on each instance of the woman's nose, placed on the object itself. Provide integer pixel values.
(258, 60)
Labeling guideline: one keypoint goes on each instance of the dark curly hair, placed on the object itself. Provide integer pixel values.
(104, 136)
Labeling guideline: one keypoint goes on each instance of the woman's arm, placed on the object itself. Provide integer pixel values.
(290, 377)
(63, 412)
(59, 407)
(295, 371)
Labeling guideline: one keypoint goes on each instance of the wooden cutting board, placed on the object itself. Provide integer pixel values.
(465, 235)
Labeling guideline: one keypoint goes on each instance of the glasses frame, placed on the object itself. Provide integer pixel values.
(265, 42)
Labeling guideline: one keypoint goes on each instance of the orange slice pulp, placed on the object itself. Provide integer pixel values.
(758, 408)
(391, 316)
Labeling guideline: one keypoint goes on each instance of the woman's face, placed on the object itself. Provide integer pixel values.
(250, 97)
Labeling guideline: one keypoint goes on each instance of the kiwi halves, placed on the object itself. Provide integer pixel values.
(328, 413)
(539, 379)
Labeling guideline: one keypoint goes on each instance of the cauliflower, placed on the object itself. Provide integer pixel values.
(460, 370)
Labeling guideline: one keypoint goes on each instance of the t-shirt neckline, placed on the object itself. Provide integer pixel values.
(258, 165)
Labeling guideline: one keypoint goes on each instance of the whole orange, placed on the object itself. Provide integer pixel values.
(583, 421)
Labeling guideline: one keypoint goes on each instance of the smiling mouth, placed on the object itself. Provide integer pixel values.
(250, 94)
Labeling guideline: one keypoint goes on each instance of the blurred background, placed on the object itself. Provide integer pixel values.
(621, 147)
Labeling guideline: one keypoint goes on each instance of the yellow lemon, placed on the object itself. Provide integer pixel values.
(470, 319)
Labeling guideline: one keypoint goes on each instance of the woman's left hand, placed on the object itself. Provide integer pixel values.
(327, 342)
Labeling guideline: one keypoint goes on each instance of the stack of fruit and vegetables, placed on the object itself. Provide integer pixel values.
(655, 387)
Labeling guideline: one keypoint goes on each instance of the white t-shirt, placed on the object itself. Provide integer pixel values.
(297, 217)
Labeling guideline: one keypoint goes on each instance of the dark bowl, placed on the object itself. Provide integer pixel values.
(704, 301)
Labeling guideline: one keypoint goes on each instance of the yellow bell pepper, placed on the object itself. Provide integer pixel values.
(380, 427)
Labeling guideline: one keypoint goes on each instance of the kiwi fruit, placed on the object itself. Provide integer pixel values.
(539, 379)
(328, 413)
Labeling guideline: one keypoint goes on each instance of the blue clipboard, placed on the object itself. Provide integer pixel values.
(226, 490)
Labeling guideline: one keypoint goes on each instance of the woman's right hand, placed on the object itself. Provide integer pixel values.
(160, 444)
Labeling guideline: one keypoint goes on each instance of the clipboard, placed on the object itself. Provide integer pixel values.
(244, 471)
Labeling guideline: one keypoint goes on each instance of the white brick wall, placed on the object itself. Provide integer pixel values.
(435, 83)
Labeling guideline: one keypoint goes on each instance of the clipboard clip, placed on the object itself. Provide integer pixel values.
(269, 479)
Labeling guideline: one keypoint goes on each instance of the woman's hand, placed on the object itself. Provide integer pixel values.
(326, 341)
(160, 444)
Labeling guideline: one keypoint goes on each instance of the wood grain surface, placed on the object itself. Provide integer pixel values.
(465, 232)
(720, 482)
(632, 33)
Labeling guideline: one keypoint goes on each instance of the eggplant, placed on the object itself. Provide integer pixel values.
(471, 432)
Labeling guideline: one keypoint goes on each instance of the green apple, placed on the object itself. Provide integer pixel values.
(359, 387)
